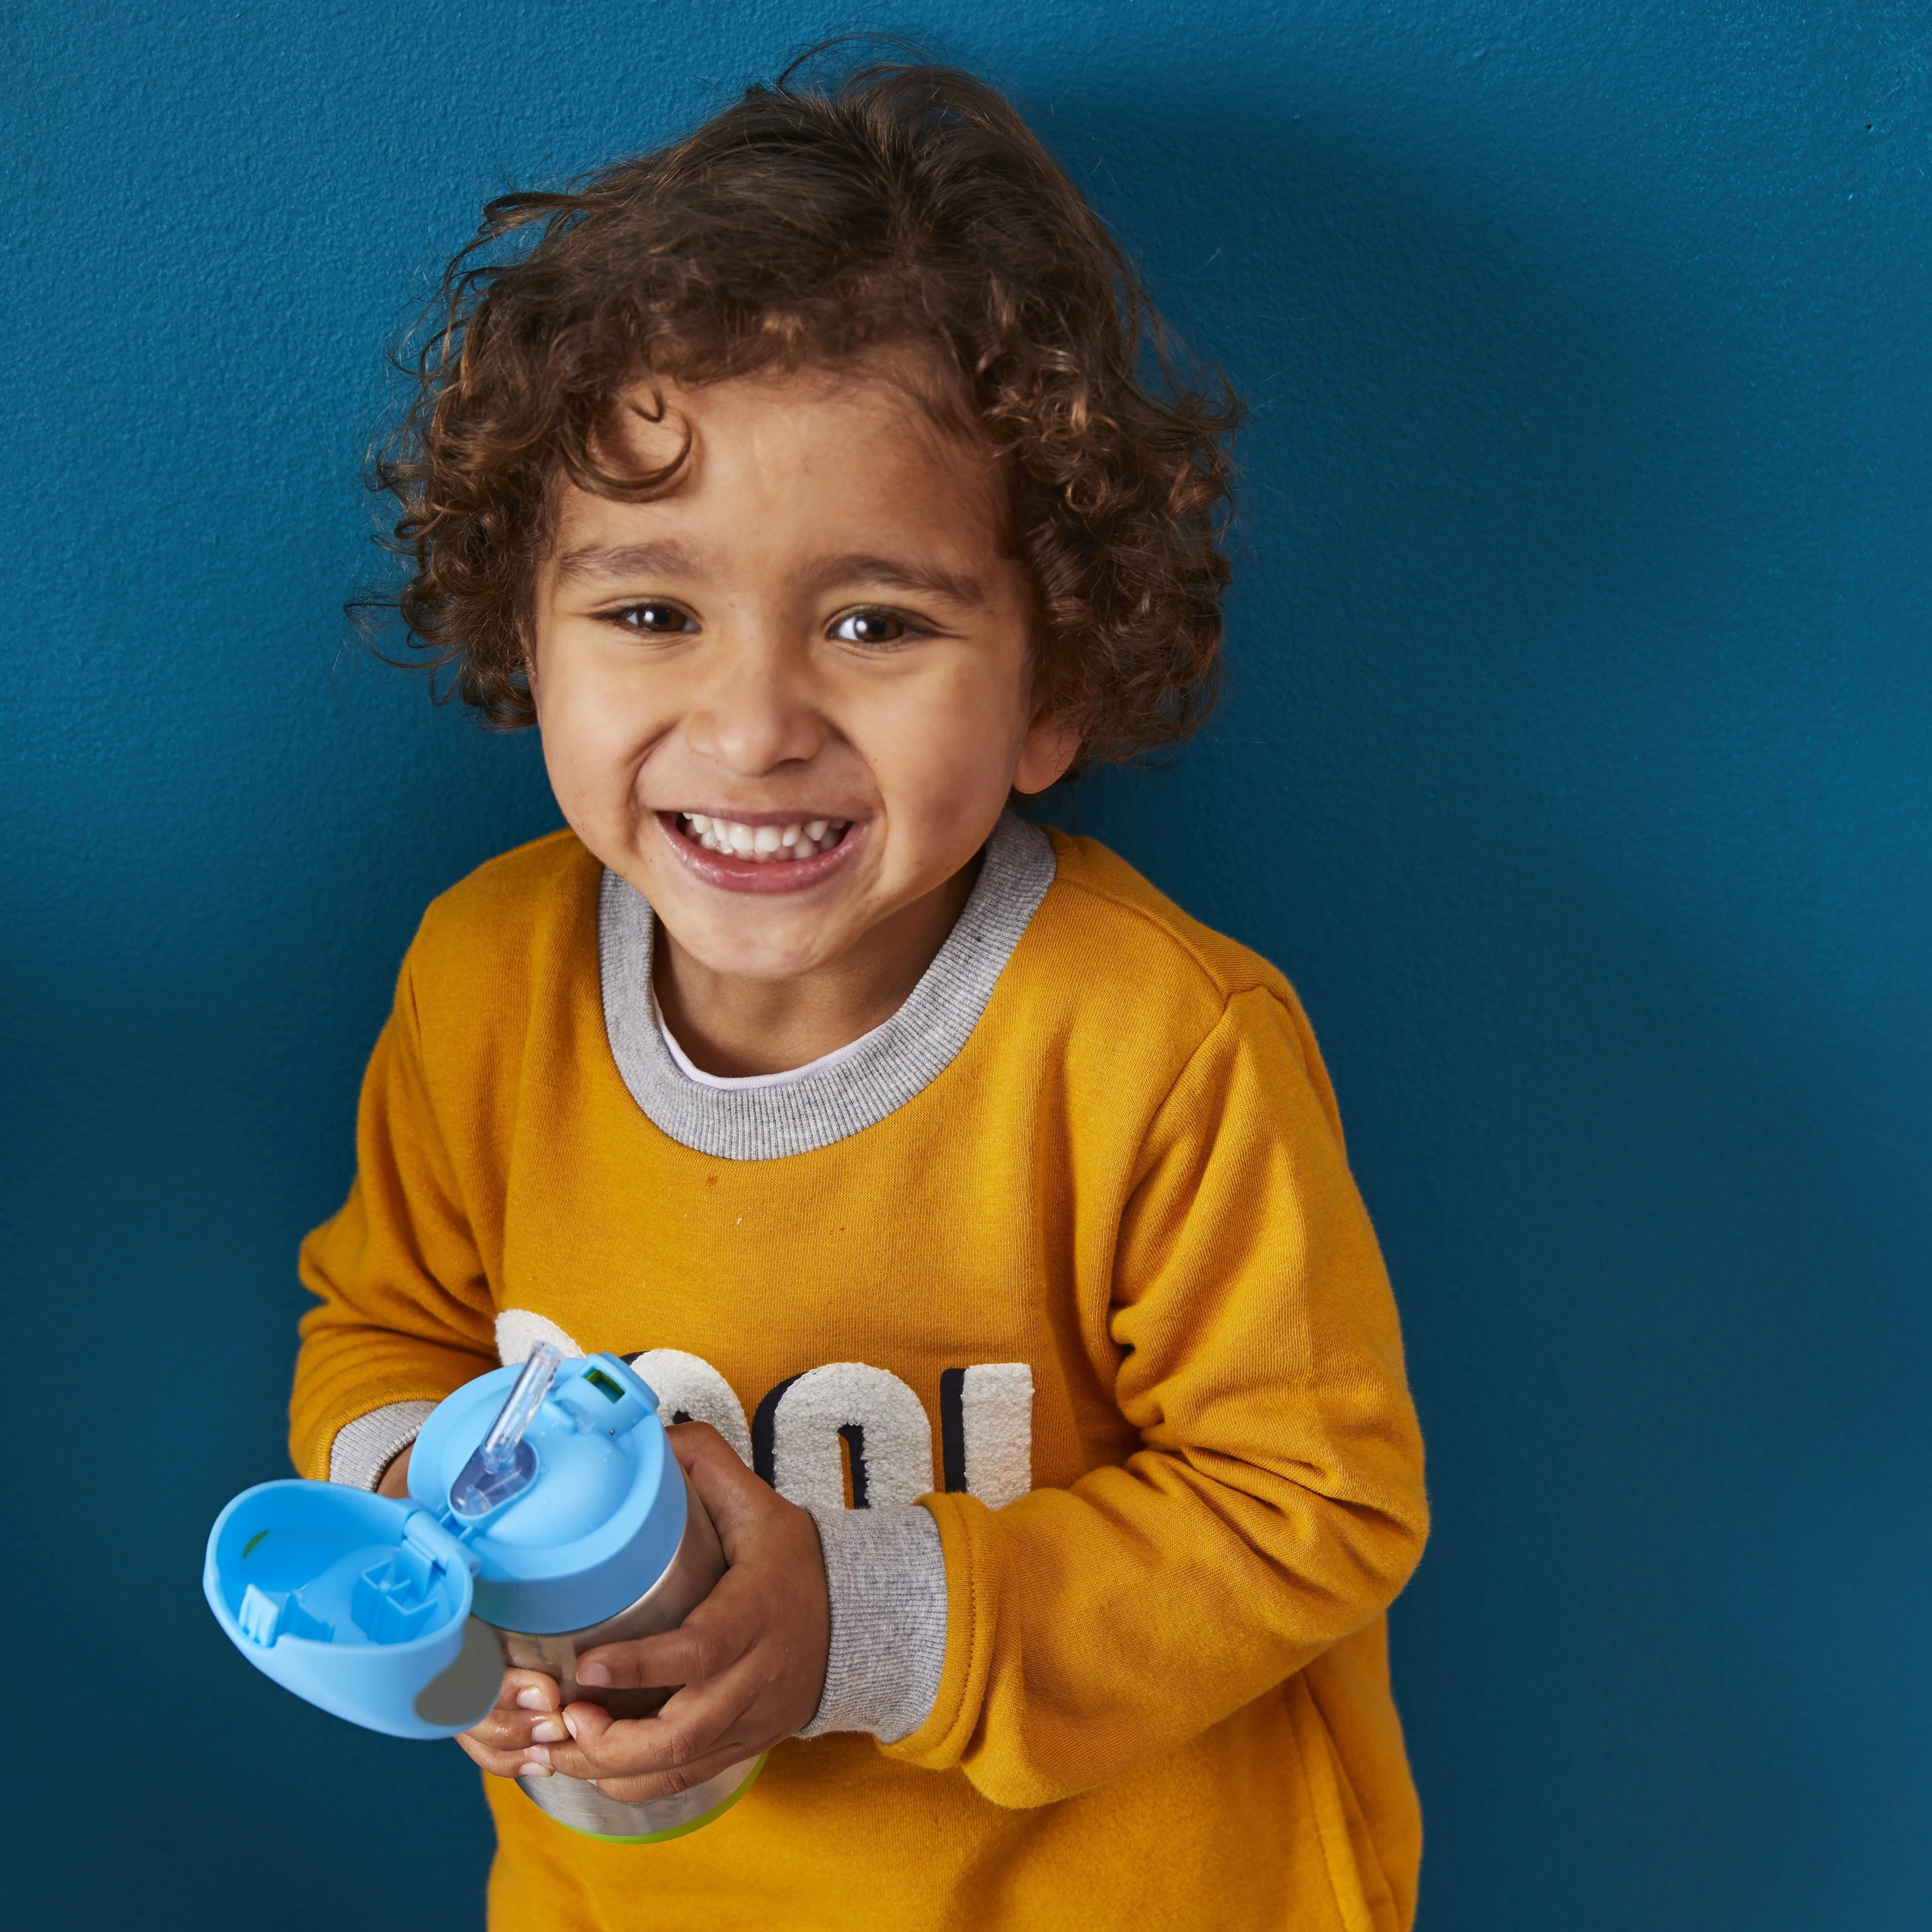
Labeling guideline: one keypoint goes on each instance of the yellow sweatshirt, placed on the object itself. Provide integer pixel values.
(1070, 1256)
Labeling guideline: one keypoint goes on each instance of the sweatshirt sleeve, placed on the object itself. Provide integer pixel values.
(1276, 1503)
(405, 1316)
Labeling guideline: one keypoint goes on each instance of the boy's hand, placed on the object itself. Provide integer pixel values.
(751, 1658)
(396, 1477)
(526, 1715)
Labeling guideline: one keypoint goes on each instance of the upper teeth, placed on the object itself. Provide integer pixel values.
(797, 841)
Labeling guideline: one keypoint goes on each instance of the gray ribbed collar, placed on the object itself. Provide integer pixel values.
(900, 1060)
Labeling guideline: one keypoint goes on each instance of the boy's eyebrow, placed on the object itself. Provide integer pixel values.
(666, 557)
(927, 579)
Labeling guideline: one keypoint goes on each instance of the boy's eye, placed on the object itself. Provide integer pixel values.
(656, 619)
(873, 627)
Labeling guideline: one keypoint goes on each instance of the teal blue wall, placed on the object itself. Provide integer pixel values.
(1575, 765)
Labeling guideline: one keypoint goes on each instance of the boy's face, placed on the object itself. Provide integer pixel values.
(787, 700)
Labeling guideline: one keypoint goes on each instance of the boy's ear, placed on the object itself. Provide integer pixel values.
(1052, 744)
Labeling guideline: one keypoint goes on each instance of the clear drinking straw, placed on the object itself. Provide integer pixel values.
(504, 1465)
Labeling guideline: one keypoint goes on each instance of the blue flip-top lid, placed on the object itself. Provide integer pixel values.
(359, 1604)
(603, 1511)
(571, 1510)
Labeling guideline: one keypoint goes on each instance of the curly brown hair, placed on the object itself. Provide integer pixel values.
(805, 224)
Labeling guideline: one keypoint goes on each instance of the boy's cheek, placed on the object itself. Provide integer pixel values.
(593, 775)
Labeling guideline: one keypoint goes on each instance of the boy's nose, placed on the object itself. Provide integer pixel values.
(756, 712)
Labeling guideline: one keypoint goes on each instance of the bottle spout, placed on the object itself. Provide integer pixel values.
(504, 1465)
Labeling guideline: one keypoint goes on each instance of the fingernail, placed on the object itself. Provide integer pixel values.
(532, 1699)
(530, 1768)
(550, 1730)
(535, 1758)
(569, 1724)
(593, 1673)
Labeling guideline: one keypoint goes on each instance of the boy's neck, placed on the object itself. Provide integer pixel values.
(732, 1026)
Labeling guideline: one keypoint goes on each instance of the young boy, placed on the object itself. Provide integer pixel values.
(989, 1216)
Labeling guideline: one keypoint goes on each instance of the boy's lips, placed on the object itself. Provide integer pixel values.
(715, 848)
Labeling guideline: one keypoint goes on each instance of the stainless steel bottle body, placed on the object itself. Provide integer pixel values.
(575, 1801)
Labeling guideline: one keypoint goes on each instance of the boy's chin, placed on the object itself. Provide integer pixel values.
(760, 939)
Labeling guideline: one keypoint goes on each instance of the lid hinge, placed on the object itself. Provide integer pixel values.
(430, 1540)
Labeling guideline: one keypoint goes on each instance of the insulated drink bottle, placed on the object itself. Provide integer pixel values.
(547, 1515)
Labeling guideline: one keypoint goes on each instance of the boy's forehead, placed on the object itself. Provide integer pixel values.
(851, 449)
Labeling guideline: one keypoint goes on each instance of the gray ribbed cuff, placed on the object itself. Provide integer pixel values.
(885, 1573)
(363, 1449)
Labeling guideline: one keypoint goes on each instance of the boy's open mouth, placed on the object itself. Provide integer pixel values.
(778, 856)
(776, 844)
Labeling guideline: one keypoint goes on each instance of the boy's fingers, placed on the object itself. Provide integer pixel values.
(587, 1725)
(528, 1710)
(528, 1691)
(699, 1723)
(669, 1783)
(511, 1730)
(498, 1763)
(731, 1495)
(710, 1639)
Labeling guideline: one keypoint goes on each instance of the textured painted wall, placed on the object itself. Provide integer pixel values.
(1576, 765)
